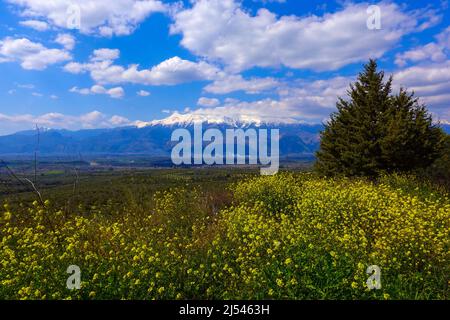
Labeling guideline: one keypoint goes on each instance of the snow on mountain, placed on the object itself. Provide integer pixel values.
(239, 120)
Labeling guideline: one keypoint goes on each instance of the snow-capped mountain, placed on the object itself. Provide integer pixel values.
(154, 138)
(150, 138)
(238, 120)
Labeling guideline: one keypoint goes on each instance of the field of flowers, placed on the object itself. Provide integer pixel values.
(289, 236)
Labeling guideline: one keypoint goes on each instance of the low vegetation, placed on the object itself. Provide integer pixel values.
(289, 236)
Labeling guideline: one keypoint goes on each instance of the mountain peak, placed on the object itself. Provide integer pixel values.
(187, 119)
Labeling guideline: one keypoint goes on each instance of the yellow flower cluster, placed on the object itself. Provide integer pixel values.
(291, 236)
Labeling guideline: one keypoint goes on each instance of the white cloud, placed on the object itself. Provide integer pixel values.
(75, 67)
(105, 54)
(302, 101)
(143, 93)
(221, 30)
(208, 102)
(37, 94)
(97, 89)
(231, 83)
(116, 92)
(267, 110)
(84, 91)
(91, 120)
(319, 95)
(102, 17)
(66, 40)
(35, 24)
(119, 121)
(434, 51)
(31, 55)
(430, 82)
(431, 51)
(169, 72)
(231, 100)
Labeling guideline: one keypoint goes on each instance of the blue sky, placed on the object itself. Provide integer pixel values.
(89, 64)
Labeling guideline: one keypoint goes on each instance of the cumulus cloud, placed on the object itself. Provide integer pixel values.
(261, 111)
(105, 54)
(434, 51)
(101, 17)
(115, 93)
(31, 55)
(119, 121)
(208, 102)
(91, 120)
(430, 82)
(319, 95)
(302, 101)
(221, 30)
(431, 51)
(169, 72)
(66, 40)
(35, 24)
(232, 83)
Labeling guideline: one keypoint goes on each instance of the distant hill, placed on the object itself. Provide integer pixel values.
(152, 139)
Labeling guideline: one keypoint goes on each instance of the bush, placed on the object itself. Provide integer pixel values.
(276, 194)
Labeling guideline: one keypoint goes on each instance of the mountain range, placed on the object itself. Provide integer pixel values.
(151, 138)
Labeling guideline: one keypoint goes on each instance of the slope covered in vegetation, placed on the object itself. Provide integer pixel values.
(293, 236)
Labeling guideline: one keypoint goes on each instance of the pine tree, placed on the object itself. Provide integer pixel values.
(376, 131)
